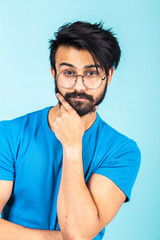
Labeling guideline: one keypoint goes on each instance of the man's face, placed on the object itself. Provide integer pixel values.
(79, 97)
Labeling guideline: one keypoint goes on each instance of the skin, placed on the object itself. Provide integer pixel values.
(79, 59)
(83, 209)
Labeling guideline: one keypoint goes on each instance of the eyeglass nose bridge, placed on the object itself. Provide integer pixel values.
(79, 75)
(83, 81)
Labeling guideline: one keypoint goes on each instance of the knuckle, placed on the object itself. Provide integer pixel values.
(65, 115)
(57, 121)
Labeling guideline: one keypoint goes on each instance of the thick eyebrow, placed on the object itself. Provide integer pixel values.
(87, 66)
(66, 64)
(93, 66)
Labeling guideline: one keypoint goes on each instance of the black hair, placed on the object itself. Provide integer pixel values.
(101, 43)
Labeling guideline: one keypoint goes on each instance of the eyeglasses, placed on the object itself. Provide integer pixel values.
(91, 79)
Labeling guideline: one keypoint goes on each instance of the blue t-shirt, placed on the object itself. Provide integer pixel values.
(31, 156)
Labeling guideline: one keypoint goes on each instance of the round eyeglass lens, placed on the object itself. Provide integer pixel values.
(92, 81)
(66, 79)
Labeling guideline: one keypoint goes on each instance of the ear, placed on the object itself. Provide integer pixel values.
(53, 72)
(110, 76)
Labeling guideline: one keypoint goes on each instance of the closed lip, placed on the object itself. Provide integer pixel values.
(81, 99)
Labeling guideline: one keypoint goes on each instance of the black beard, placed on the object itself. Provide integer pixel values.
(79, 106)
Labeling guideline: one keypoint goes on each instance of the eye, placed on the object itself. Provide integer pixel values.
(92, 73)
(68, 73)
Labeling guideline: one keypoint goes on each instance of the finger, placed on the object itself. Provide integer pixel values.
(63, 110)
(65, 104)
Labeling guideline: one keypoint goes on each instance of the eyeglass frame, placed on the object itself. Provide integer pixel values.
(102, 79)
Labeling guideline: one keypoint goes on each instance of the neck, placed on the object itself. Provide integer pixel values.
(55, 112)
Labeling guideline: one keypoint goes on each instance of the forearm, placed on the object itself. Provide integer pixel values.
(77, 212)
(11, 231)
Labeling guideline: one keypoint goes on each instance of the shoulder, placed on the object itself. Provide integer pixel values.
(115, 139)
(120, 157)
(111, 132)
(22, 121)
(13, 131)
(119, 149)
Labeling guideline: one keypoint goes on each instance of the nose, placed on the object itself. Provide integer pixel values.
(79, 85)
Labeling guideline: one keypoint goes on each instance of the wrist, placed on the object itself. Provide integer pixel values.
(72, 150)
(72, 145)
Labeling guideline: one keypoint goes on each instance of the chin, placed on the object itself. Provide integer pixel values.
(82, 111)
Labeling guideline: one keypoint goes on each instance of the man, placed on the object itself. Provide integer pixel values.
(64, 172)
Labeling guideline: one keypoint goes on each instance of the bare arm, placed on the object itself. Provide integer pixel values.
(83, 210)
(11, 231)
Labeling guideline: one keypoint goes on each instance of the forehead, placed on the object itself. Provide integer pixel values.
(77, 57)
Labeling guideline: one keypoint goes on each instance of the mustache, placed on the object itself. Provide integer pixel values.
(80, 95)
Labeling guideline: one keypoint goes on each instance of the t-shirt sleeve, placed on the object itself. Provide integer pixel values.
(122, 167)
(6, 156)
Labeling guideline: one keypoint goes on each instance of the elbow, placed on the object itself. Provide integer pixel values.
(72, 236)
(72, 233)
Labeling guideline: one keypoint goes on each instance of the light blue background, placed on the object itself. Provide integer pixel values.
(132, 102)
